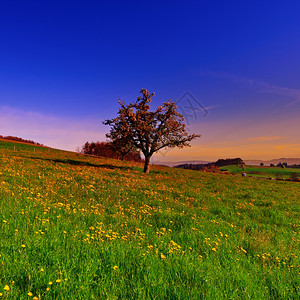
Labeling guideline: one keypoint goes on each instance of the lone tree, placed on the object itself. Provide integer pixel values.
(136, 127)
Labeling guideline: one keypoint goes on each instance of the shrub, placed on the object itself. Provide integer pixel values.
(105, 149)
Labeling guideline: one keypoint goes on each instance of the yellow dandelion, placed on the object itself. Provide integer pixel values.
(214, 249)
(23, 246)
(162, 256)
(1, 294)
(47, 289)
(58, 280)
(42, 270)
(6, 288)
(35, 298)
(50, 283)
(115, 267)
(29, 294)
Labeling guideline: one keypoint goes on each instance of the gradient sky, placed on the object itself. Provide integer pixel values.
(63, 65)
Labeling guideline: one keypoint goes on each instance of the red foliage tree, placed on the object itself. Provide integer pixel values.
(106, 149)
(148, 131)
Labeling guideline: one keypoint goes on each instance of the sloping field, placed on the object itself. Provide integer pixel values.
(76, 227)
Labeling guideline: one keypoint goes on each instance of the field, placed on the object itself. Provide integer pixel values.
(262, 171)
(78, 227)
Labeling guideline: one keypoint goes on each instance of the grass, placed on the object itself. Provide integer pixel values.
(77, 227)
(258, 171)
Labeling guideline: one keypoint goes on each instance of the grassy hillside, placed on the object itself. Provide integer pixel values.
(76, 227)
(263, 171)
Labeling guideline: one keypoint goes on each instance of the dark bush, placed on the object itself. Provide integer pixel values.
(105, 149)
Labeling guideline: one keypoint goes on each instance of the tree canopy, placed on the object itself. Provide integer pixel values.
(137, 127)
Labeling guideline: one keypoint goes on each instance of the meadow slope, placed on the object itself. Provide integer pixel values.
(78, 227)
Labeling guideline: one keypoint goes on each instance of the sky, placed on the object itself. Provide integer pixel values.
(232, 66)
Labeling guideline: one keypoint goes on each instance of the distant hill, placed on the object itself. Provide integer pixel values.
(289, 161)
(175, 163)
(19, 140)
(253, 162)
(218, 163)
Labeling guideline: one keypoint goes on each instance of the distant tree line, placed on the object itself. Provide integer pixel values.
(17, 139)
(285, 165)
(294, 166)
(214, 166)
(107, 149)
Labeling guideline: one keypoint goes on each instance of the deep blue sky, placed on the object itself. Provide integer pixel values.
(71, 60)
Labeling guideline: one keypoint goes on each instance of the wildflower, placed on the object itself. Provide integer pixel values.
(58, 280)
(6, 288)
(29, 294)
(1, 294)
(23, 246)
(47, 289)
(214, 249)
(162, 256)
(50, 283)
(115, 267)
(42, 270)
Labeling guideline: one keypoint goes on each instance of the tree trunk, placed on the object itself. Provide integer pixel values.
(146, 165)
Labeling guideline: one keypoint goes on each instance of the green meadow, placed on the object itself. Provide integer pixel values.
(262, 171)
(80, 227)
